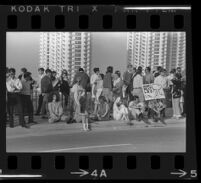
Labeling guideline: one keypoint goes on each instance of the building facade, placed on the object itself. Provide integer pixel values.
(65, 50)
(166, 49)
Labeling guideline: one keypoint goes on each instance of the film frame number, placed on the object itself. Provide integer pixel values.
(193, 173)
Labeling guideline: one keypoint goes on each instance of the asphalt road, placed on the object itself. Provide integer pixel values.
(170, 138)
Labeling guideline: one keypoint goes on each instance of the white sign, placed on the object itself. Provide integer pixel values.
(153, 91)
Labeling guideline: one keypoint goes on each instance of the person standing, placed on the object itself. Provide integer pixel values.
(41, 72)
(84, 81)
(26, 96)
(107, 84)
(99, 90)
(127, 80)
(176, 95)
(148, 77)
(117, 85)
(64, 86)
(162, 80)
(157, 72)
(138, 84)
(23, 71)
(93, 80)
(46, 89)
(14, 87)
(77, 91)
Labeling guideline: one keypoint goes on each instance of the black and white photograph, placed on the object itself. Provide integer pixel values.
(95, 92)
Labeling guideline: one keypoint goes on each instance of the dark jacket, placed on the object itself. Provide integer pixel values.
(46, 85)
(85, 80)
(64, 86)
(176, 88)
(107, 81)
(127, 77)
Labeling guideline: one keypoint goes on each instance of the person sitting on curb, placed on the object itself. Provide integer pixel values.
(103, 112)
(55, 110)
(156, 110)
(120, 111)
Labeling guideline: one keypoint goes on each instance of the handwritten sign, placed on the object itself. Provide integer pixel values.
(153, 91)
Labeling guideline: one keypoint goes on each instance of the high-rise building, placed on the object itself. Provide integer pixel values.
(176, 55)
(156, 49)
(65, 50)
(147, 48)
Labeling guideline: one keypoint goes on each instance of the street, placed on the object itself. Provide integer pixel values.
(111, 136)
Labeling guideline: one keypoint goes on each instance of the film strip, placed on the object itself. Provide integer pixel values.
(104, 165)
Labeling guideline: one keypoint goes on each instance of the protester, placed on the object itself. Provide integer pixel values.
(176, 95)
(113, 96)
(136, 108)
(138, 84)
(77, 91)
(40, 96)
(117, 85)
(27, 87)
(127, 80)
(56, 113)
(157, 72)
(55, 82)
(156, 109)
(162, 81)
(46, 89)
(93, 80)
(98, 91)
(64, 86)
(23, 71)
(84, 79)
(107, 84)
(14, 87)
(120, 111)
(103, 110)
(148, 77)
(83, 111)
(179, 73)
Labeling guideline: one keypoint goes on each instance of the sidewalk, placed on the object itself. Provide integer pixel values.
(43, 128)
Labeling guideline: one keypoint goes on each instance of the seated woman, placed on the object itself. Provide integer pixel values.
(55, 110)
(157, 108)
(136, 108)
(103, 110)
(120, 111)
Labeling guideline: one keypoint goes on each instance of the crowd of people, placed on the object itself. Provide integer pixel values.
(99, 97)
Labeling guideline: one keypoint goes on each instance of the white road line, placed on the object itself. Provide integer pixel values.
(86, 147)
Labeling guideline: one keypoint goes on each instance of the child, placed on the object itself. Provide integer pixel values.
(77, 92)
(55, 110)
(156, 109)
(103, 109)
(120, 111)
(84, 113)
(136, 108)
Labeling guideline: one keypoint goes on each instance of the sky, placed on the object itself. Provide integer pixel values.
(108, 48)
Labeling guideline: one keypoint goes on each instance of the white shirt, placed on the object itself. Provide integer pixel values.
(93, 79)
(116, 81)
(137, 81)
(161, 80)
(13, 85)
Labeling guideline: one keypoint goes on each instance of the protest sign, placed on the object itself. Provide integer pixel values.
(153, 91)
